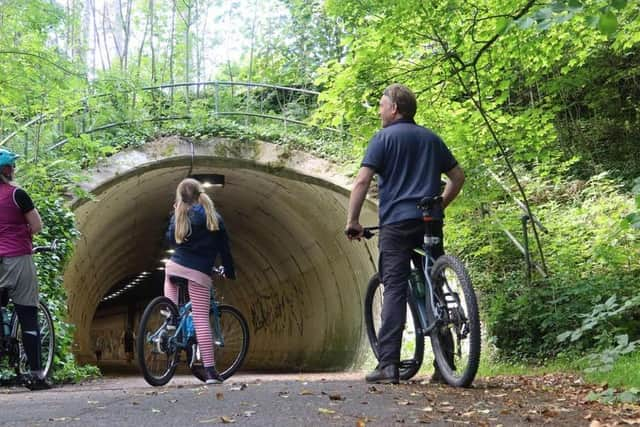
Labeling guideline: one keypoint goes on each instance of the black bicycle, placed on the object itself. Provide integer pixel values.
(443, 306)
(11, 346)
(167, 329)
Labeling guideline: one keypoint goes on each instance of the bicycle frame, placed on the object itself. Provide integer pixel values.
(430, 298)
(185, 329)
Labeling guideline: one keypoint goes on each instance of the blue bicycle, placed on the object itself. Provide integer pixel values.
(166, 330)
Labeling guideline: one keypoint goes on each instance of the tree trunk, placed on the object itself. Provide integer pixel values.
(151, 46)
(96, 37)
(253, 41)
(104, 36)
(171, 46)
(125, 22)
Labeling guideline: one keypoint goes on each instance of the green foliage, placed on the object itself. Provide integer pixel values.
(633, 219)
(34, 75)
(625, 373)
(601, 323)
(589, 254)
(601, 15)
(325, 144)
(290, 46)
(610, 395)
(600, 314)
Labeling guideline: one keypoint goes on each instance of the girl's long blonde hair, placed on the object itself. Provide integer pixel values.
(188, 193)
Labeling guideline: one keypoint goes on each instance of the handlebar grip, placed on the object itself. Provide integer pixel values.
(366, 232)
(351, 232)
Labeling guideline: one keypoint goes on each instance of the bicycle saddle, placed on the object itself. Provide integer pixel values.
(431, 208)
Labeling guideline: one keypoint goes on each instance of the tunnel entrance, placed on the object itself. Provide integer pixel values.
(300, 282)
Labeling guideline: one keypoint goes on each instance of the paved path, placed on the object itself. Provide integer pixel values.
(332, 399)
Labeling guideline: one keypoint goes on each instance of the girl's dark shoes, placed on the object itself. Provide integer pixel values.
(212, 376)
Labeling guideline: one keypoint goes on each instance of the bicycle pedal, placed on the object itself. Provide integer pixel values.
(171, 327)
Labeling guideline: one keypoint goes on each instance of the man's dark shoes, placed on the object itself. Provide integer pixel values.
(33, 383)
(387, 374)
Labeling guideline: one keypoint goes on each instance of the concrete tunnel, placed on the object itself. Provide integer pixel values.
(300, 282)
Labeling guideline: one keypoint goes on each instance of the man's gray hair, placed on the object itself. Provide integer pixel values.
(404, 99)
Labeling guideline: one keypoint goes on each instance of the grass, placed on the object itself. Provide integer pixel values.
(624, 375)
(491, 368)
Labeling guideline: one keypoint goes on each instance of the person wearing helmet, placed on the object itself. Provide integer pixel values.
(19, 221)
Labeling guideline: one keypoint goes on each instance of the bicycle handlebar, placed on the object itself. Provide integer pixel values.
(218, 270)
(52, 247)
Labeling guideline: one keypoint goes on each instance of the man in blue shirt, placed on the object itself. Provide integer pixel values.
(409, 161)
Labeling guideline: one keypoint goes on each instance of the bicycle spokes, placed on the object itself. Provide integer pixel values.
(157, 352)
(457, 341)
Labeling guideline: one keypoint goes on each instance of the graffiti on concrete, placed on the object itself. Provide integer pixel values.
(277, 313)
(111, 345)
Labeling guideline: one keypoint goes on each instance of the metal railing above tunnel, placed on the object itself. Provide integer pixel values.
(141, 109)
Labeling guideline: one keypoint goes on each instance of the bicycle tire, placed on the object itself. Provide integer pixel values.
(235, 331)
(451, 279)
(157, 358)
(409, 365)
(47, 342)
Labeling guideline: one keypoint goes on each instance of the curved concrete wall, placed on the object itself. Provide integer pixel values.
(300, 281)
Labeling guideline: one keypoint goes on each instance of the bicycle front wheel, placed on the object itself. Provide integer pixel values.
(47, 342)
(231, 348)
(157, 356)
(456, 342)
(412, 347)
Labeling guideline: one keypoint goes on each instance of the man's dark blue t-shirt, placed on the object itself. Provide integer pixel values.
(409, 160)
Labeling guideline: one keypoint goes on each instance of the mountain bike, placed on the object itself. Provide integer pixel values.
(442, 304)
(166, 330)
(11, 347)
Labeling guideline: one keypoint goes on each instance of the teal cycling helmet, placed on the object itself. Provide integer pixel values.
(7, 158)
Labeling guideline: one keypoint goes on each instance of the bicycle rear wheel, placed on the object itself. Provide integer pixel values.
(157, 356)
(456, 343)
(412, 349)
(47, 342)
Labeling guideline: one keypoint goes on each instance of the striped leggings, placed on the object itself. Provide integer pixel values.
(200, 296)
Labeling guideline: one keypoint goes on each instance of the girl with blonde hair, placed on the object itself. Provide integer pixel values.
(198, 235)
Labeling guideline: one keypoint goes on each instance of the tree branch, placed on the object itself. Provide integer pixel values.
(40, 57)
(493, 39)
